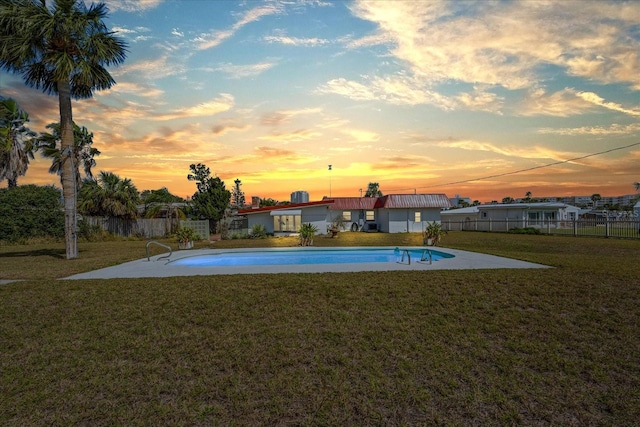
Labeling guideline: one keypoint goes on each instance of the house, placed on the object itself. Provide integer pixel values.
(393, 213)
(285, 220)
(505, 216)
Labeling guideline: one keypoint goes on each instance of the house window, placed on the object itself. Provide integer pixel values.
(370, 216)
(346, 215)
(416, 217)
(484, 214)
(288, 223)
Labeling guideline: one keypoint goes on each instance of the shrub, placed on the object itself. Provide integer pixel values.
(258, 232)
(307, 231)
(29, 211)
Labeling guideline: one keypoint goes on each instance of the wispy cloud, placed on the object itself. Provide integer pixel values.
(131, 5)
(249, 70)
(504, 44)
(597, 100)
(213, 39)
(614, 129)
(296, 41)
(216, 106)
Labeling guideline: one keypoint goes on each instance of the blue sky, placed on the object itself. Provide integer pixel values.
(412, 95)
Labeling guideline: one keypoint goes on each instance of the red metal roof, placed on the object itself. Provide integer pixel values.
(289, 206)
(353, 203)
(391, 201)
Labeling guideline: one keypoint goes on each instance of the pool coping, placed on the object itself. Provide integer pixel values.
(156, 265)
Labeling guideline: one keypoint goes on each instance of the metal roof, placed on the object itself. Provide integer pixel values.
(353, 203)
(284, 207)
(411, 201)
(391, 201)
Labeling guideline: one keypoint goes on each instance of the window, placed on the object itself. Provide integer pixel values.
(290, 223)
(416, 217)
(370, 216)
(346, 215)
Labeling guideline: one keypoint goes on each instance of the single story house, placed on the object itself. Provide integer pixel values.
(285, 220)
(393, 213)
(498, 217)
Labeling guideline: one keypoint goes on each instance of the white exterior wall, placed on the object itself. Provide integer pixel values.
(403, 220)
(316, 215)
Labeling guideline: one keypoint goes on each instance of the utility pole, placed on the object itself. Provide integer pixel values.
(329, 180)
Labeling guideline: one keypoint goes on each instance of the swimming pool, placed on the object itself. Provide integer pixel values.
(307, 256)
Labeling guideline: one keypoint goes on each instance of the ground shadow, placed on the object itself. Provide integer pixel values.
(53, 253)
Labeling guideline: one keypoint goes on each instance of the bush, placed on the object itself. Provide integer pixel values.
(29, 211)
(258, 232)
(91, 233)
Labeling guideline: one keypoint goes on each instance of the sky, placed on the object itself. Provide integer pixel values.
(483, 99)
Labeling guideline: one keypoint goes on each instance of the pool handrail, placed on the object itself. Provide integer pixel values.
(159, 244)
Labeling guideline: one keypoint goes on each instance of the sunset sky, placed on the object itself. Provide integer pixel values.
(419, 96)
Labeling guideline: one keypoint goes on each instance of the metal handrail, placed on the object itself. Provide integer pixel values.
(406, 251)
(424, 258)
(159, 244)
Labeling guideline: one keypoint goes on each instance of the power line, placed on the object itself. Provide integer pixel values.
(534, 167)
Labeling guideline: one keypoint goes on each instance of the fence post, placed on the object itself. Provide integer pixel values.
(575, 227)
(606, 226)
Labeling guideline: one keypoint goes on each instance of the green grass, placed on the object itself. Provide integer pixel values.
(485, 347)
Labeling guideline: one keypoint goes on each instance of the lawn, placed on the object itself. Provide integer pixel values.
(556, 346)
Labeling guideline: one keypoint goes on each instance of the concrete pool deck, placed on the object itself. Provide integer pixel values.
(156, 267)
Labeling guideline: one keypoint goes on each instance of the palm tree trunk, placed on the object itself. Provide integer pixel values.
(68, 172)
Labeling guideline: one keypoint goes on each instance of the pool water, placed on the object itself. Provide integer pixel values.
(309, 256)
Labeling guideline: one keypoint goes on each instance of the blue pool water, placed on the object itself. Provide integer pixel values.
(308, 256)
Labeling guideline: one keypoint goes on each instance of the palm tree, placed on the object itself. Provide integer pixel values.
(595, 198)
(109, 196)
(83, 152)
(16, 143)
(63, 50)
(637, 185)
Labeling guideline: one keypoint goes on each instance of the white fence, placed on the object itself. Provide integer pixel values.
(602, 227)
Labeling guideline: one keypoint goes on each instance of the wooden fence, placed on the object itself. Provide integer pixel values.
(146, 227)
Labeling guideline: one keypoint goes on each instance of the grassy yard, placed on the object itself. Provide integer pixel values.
(556, 346)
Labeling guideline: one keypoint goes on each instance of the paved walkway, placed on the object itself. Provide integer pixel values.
(463, 260)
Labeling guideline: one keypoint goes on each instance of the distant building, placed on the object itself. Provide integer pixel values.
(299, 197)
(460, 201)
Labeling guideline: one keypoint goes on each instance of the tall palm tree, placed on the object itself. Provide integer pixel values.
(637, 185)
(16, 142)
(83, 153)
(109, 196)
(62, 49)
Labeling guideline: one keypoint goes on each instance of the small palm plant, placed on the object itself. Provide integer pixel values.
(433, 233)
(307, 231)
(185, 237)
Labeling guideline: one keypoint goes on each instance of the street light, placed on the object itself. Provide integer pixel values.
(329, 181)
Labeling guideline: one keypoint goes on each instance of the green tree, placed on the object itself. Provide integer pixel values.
(16, 142)
(373, 190)
(637, 186)
(83, 153)
(527, 197)
(237, 195)
(162, 204)
(212, 198)
(30, 211)
(109, 196)
(595, 198)
(508, 200)
(63, 50)
(268, 202)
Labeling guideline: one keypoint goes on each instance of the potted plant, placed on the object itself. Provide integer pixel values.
(185, 237)
(433, 233)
